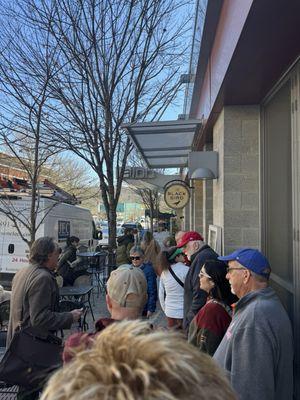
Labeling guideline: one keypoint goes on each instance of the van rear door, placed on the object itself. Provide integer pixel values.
(14, 251)
(3, 222)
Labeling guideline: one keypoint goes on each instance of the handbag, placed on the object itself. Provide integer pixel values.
(31, 356)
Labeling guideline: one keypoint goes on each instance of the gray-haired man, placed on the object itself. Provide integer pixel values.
(257, 349)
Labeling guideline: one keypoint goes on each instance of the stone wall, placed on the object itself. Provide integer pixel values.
(236, 192)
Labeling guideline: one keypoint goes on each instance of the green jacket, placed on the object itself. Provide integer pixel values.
(125, 243)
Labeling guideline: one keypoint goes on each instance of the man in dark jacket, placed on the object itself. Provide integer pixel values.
(35, 296)
(198, 253)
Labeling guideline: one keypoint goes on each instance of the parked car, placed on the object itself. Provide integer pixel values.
(137, 228)
(133, 225)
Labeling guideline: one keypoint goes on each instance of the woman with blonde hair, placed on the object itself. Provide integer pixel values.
(171, 292)
(129, 361)
(151, 250)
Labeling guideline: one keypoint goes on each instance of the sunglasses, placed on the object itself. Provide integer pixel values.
(204, 274)
(135, 258)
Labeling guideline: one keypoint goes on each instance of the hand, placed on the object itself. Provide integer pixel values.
(149, 314)
(77, 314)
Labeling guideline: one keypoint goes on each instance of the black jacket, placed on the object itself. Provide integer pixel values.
(194, 297)
(68, 256)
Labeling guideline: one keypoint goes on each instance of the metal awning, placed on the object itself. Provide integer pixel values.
(164, 144)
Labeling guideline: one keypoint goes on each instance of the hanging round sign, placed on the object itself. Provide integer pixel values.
(177, 194)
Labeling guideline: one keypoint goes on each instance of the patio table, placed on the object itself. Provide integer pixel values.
(78, 292)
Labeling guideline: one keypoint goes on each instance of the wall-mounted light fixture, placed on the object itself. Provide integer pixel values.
(203, 165)
(203, 173)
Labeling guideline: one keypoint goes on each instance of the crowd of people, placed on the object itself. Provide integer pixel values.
(227, 336)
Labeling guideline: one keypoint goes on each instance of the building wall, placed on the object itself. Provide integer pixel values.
(186, 215)
(231, 22)
(218, 184)
(192, 208)
(207, 200)
(207, 207)
(236, 191)
(198, 205)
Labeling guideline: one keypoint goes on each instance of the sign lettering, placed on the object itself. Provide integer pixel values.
(177, 195)
(139, 173)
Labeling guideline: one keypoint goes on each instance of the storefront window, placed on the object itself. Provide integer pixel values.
(278, 183)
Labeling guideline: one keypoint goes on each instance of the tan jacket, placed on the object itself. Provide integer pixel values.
(40, 308)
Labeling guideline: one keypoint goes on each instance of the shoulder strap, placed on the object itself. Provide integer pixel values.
(176, 277)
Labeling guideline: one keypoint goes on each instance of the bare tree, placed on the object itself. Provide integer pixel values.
(151, 199)
(73, 176)
(27, 66)
(119, 63)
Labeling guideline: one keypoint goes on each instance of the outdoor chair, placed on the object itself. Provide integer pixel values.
(4, 314)
(68, 305)
(83, 280)
(98, 271)
(8, 391)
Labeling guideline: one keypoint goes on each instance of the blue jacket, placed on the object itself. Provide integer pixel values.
(150, 276)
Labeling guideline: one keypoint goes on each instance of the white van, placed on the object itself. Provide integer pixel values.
(62, 220)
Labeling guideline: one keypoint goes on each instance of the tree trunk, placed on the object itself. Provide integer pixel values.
(33, 211)
(112, 223)
(151, 219)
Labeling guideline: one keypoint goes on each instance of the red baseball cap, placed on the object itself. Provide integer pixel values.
(189, 237)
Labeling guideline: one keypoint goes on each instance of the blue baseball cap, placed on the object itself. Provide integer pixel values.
(251, 259)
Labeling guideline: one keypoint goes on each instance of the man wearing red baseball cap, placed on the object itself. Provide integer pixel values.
(198, 253)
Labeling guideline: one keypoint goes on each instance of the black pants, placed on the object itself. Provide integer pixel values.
(27, 394)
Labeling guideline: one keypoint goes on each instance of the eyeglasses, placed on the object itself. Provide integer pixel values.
(229, 269)
(135, 258)
(201, 274)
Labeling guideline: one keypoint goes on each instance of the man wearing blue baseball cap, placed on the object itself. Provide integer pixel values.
(257, 349)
